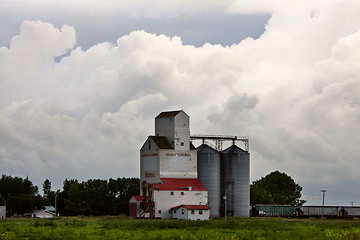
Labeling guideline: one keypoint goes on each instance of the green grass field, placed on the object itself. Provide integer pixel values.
(233, 228)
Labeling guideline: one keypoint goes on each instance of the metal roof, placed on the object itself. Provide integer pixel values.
(193, 207)
(235, 149)
(162, 142)
(40, 211)
(50, 208)
(179, 184)
(168, 114)
(204, 147)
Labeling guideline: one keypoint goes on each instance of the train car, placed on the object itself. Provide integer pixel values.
(319, 211)
(350, 211)
(273, 210)
(305, 211)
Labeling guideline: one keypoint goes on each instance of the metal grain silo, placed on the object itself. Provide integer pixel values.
(235, 180)
(208, 165)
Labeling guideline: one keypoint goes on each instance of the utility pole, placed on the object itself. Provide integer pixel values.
(323, 192)
(225, 203)
(55, 206)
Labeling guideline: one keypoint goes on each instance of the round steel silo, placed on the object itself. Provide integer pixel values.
(208, 165)
(235, 181)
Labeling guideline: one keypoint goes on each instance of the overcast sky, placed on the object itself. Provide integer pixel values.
(82, 81)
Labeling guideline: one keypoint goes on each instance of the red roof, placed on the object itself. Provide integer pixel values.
(140, 198)
(179, 184)
(193, 207)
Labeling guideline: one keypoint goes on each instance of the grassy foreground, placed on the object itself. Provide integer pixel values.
(122, 228)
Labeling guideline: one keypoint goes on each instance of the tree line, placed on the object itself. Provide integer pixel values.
(111, 197)
(92, 197)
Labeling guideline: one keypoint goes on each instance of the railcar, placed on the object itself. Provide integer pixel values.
(305, 211)
(273, 210)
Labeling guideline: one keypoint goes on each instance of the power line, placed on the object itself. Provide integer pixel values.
(353, 193)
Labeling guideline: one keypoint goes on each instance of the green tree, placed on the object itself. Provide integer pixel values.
(97, 197)
(276, 188)
(19, 194)
(49, 196)
(259, 195)
(46, 188)
(124, 189)
(2, 200)
(39, 202)
(73, 198)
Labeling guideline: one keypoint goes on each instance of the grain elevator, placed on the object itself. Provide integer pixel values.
(184, 182)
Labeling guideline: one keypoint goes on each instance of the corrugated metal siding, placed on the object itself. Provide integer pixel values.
(208, 161)
(319, 210)
(236, 179)
(275, 210)
(352, 211)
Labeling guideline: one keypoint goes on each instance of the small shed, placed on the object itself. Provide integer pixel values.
(136, 206)
(2, 212)
(43, 214)
(191, 212)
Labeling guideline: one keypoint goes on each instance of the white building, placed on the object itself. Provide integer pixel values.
(2, 212)
(43, 214)
(168, 169)
(173, 192)
(191, 212)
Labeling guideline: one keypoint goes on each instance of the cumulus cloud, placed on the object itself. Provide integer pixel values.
(66, 112)
(95, 21)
